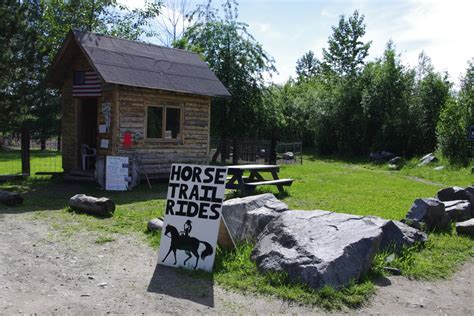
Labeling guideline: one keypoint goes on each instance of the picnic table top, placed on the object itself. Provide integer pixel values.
(253, 167)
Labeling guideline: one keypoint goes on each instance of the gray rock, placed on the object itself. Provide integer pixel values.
(247, 217)
(155, 224)
(470, 193)
(427, 159)
(397, 234)
(395, 160)
(453, 193)
(318, 248)
(466, 228)
(430, 211)
(387, 155)
(288, 156)
(459, 210)
(381, 157)
(393, 167)
(438, 168)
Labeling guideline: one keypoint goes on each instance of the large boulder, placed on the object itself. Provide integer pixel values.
(318, 248)
(247, 217)
(428, 159)
(466, 228)
(397, 235)
(429, 211)
(458, 210)
(453, 193)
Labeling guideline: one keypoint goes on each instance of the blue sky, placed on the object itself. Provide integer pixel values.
(287, 29)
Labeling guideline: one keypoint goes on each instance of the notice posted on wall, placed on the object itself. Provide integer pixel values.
(192, 216)
(116, 173)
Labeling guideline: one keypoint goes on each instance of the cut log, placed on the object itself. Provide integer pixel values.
(10, 198)
(92, 205)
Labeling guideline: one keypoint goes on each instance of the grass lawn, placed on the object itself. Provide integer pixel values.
(40, 161)
(343, 186)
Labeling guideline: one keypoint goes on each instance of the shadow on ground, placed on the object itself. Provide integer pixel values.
(177, 283)
(53, 194)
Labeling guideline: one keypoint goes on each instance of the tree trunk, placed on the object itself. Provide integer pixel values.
(43, 144)
(10, 198)
(223, 147)
(25, 150)
(272, 155)
(92, 205)
(235, 151)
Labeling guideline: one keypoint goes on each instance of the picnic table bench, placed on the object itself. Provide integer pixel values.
(238, 181)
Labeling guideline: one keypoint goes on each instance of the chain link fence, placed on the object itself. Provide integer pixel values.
(45, 156)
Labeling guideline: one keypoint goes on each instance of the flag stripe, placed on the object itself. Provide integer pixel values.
(90, 87)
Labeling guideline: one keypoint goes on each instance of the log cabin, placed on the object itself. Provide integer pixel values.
(132, 99)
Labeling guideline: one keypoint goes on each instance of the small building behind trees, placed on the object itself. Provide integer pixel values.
(127, 98)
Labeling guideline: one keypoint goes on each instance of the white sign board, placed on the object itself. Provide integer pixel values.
(116, 173)
(192, 216)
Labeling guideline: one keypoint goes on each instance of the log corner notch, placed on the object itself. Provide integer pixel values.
(92, 205)
(10, 198)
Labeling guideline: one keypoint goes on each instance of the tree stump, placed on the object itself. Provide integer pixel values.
(92, 205)
(10, 198)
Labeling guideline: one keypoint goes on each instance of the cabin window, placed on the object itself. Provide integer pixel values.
(163, 122)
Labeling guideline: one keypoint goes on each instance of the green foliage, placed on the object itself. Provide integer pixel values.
(452, 132)
(240, 63)
(346, 53)
(386, 98)
(33, 33)
(438, 258)
(308, 66)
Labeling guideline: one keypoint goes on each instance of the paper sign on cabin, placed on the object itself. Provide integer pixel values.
(192, 216)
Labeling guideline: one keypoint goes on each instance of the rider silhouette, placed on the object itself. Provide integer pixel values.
(187, 227)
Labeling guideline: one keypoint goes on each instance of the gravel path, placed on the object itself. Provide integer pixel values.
(44, 272)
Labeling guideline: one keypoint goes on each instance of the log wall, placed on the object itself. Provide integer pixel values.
(156, 156)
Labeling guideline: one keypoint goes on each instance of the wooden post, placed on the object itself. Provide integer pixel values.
(59, 144)
(25, 150)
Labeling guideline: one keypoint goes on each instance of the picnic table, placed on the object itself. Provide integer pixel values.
(243, 183)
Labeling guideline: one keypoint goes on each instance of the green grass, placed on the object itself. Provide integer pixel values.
(40, 161)
(349, 186)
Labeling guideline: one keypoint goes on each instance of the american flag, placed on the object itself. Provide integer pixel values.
(86, 84)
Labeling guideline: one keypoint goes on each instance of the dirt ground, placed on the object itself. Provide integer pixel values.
(43, 272)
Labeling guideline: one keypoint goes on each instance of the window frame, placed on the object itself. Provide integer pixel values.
(163, 124)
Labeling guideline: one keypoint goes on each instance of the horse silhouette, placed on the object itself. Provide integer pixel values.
(189, 244)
